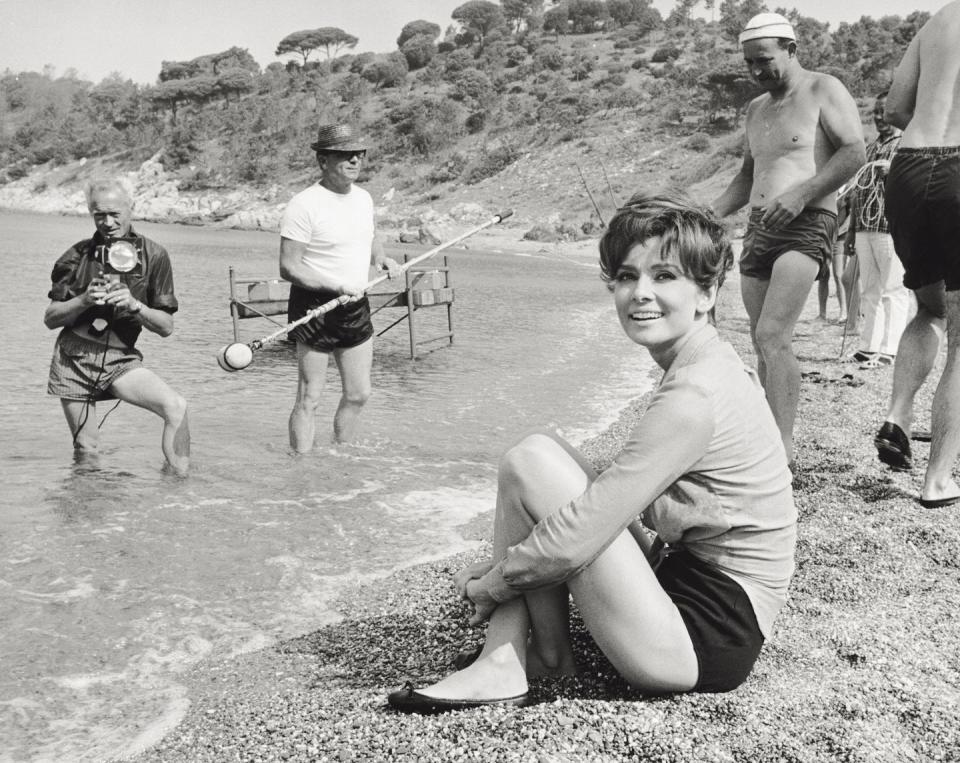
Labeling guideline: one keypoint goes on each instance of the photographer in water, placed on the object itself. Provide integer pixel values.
(105, 290)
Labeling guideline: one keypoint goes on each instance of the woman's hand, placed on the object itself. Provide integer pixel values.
(471, 572)
(483, 603)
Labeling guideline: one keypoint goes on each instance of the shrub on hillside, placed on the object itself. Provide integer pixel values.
(623, 98)
(418, 51)
(351, 88)
(548, 57)
(448, 170)
(472, 85)
(666, 53)
(580, 66)
(456, 61)
(389, 71)
(614, 80)
(699, 142)
(427, 124)
(360, 61)
(491, 162)
(515, 55)
(476, 122)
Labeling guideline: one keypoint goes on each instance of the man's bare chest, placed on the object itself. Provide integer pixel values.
(781, 127)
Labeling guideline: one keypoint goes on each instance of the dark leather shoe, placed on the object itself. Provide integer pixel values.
(409, 700)
(893, 447)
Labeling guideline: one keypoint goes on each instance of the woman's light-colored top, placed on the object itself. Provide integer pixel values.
(706, 469)
(337, 229)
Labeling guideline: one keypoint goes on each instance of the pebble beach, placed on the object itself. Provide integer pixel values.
(864, 664)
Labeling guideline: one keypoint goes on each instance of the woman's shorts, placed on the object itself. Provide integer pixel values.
(82, 369)
(812, 233)
(923, 208)
(343, 327)
(719, 618)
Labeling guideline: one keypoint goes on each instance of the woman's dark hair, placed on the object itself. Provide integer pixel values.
(691, 232)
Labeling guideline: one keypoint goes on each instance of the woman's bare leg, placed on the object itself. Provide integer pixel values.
(623, 605)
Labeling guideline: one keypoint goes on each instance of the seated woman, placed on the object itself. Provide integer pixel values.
(704, 468)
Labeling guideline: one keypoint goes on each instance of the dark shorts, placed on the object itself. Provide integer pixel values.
(82, 369)
(923, 209)
(812, 232)
(719, 618)
(343, 327)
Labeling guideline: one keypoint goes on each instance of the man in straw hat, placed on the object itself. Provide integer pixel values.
(923, 208)
(803, 141)
(327, 244)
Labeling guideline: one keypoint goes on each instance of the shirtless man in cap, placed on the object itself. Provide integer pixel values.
(803, 141)
(923, 208)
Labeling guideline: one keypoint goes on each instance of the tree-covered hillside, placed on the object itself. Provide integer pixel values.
(446, 108)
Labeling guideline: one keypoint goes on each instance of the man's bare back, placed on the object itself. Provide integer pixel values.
(925, 97)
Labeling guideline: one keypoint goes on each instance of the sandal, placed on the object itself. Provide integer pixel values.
(879, 360)
(862, 356)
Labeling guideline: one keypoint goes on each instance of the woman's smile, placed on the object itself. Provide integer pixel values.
(658, 304)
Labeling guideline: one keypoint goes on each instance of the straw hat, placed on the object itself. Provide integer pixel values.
(767, 25)
(337, 138)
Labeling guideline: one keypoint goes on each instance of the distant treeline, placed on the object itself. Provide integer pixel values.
(445, 100)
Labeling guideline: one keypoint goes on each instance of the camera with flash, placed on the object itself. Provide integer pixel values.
(121, 256)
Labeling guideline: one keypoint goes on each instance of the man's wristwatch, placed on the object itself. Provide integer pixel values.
(138, 306)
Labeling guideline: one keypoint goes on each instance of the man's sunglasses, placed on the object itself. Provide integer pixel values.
(344, 155)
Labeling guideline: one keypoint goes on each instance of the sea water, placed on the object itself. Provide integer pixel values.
(115, 580)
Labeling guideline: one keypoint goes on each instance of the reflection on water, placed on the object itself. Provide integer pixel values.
(115, 578)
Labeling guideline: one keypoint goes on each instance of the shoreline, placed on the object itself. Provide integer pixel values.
(505, 238)
(863, 664)
(600, 448)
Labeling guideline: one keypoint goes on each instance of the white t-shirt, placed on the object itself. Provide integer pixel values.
(337, 229)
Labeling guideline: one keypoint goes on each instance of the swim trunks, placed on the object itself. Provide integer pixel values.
(82, 369)
(343, 327)
(812, 233)
(923, 209)
(719, 618)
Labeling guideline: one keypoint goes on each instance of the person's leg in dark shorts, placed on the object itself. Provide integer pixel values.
(918, 244)
(143, 388)
(799, 254)
(719, 618)
(923, 207)
(81, 373)
(346, 333)
(354, 364)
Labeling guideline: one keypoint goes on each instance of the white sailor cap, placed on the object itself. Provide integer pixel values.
(767, 25)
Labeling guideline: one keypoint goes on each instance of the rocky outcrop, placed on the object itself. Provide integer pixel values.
(159, 198)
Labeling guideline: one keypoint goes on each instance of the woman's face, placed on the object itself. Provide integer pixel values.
(658, 305)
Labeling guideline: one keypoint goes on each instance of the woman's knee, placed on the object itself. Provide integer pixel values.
(527, 456)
